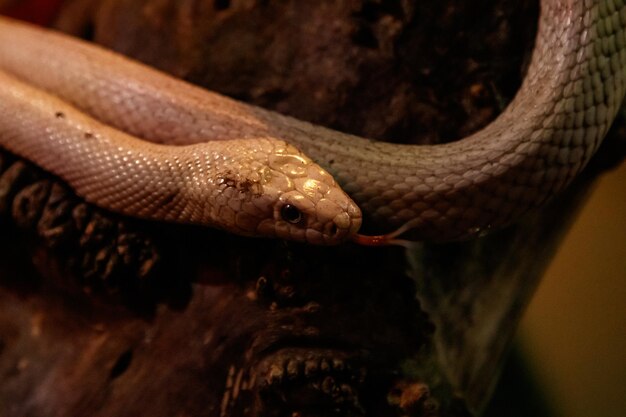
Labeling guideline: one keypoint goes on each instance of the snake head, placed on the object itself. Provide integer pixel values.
(303, 201)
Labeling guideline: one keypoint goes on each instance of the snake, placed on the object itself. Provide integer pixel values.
(135, 140)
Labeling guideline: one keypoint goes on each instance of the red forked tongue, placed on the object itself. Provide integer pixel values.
(389, 238)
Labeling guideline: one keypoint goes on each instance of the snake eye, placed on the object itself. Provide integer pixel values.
(290, 214)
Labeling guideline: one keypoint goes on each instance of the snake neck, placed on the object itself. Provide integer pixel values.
(543, 139)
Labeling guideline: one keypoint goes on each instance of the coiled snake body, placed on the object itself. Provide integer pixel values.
(569, 98)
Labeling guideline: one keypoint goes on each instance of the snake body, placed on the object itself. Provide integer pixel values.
(568, 100)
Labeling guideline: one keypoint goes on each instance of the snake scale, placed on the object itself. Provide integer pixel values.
(164, 149)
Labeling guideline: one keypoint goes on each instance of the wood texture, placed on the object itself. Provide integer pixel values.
(101, 315)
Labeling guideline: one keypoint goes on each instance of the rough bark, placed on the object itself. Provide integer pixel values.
(121, 317)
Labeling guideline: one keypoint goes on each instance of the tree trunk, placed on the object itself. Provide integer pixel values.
(121, 318)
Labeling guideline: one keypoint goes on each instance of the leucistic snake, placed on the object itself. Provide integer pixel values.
(136, 141)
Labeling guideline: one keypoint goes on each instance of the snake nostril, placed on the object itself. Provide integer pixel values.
(334, 229)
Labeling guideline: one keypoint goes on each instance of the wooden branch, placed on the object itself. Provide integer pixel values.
(121, 317)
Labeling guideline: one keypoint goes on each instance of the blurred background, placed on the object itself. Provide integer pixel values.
(569, 358)
(570, 354)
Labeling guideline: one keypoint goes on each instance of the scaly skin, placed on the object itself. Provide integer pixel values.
(240, 186)
(568, 100)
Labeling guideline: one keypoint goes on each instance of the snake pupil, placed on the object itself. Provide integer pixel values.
(290, 213)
